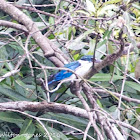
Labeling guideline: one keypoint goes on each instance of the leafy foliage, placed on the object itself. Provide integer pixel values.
(77, 29)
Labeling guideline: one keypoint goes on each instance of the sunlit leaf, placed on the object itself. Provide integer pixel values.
(101, 49)
(77, 43)
(136, 6)
(99, 103)
(83, 12)
(21, 2)
(51, 20)
(107, 34)
(90, 6)
(105, 9)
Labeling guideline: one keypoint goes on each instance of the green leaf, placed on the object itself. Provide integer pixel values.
(105, 9)
(138, 109)
(41, 25)
(133, 85)
(105, 77)
(136, 6)
(21, 2)
(83, 12)
(74, 121)
(99, 103)
(28, 127)
(126, 16)
(11, 117)
(22, 84)
(107, 34)
(51, 20)
(101, 43)
(77, 44)
(55, 134)
(12, 94)
(137, 68)
(17, 47)
(101, 47)
(110, 48)
(3, 56)
(23, 137)
(90, 6)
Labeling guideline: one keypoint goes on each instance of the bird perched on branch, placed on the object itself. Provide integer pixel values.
(80, 67)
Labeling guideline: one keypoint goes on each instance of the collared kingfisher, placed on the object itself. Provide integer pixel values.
(80, 67)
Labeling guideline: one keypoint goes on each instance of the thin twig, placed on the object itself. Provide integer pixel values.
(86, 131)
(123, 83)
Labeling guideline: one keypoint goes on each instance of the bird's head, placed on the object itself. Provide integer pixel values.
(89, 58)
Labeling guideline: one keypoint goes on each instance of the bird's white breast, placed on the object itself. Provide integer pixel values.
(82, 70)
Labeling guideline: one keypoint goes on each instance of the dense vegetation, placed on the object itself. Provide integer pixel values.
(37, 38)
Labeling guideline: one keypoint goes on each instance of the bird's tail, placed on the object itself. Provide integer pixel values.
(51, 82)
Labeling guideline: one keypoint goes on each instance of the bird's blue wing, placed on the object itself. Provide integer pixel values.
(72, 65)
(65, 74)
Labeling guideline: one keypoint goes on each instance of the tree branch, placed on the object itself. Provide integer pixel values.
(107, 60)
(76, 91)
(13, 25)
(49, 49)
(118, 95)
(56, 108)
(35, 10)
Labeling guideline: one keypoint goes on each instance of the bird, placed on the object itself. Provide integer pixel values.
(80, 67)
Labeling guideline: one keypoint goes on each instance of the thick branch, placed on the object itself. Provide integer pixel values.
(107, 60)
(13, 25)
(48, 48)
(44, 106)
(101, 118)
(56, 108)
(29, 24)
(76, 90)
